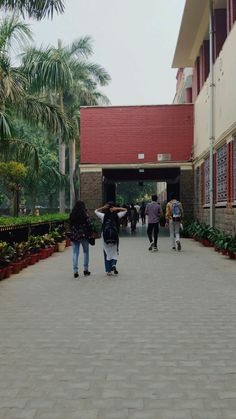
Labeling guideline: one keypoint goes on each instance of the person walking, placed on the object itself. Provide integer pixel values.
(133, 218)
(142, 212)
(174, 217)
(110, 216)
(154, 212)
(81, 230)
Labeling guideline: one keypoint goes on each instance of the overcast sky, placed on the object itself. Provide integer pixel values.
(133, 39)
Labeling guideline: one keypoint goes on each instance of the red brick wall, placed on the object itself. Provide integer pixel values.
(119, 134)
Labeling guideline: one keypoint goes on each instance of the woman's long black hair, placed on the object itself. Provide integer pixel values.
(78, 214)
(111, 216)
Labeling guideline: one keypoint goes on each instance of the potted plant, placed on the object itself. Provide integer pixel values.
(230, 245)
(60, 237)
(6, 252)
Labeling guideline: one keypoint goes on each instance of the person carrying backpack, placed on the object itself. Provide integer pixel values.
(110, 216)
(174, 217)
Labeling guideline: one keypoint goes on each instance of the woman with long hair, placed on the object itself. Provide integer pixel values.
(110, 216)
(81, 230)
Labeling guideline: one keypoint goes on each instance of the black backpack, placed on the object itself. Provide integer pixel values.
(110, 229)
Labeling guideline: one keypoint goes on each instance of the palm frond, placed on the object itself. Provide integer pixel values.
(37, 9)
(81, 47)
(5, 126)
(40, 112)
(21, 151)
(13, 31)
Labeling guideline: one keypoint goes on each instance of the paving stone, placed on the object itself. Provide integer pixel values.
(158, 342)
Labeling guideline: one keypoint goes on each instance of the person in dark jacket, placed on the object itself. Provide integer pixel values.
(81, 230)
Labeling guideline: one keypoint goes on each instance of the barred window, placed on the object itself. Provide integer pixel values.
(221, 174)
(197, 186)
(207, 181)
(234, 168)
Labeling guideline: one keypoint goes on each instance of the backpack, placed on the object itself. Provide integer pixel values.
(176, 211)
(110, 230)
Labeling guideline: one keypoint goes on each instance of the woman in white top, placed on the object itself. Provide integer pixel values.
(110, 216)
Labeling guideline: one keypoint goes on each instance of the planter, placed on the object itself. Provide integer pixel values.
(232, 255)
(16, 267)
(216, 248)
(68, 242)
(61, 246)
(206, 243)
(43, 254)
(224, 252)
(33, 258)
(7, 271)
(2, 273)
(56, 247)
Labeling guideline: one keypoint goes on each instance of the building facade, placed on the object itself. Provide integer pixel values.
(193, 52)
(136, 143)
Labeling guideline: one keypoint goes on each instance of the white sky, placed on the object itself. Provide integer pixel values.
(133, 39)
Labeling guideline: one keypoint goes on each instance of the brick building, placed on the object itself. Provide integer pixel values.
(193, 55)
(139, 143)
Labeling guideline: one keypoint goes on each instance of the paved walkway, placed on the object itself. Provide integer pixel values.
(158, 342)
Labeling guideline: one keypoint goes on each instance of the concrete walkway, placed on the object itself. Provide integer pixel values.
(158, 342)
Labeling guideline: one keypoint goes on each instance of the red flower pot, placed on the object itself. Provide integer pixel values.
(43, 253)
(2, 273)
(33, 258)
(68, 242)
(224, 251)
(7, 271)
(56, 247)
(16, 267)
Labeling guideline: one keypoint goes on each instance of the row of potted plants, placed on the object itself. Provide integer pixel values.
(16, 256)
(211, 237)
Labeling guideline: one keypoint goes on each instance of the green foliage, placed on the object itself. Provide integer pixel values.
(32, 219)
(12, 175)
(37, 9)
(135, 192)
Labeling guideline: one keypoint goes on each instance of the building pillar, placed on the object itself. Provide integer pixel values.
(187, 192)
(91, 188)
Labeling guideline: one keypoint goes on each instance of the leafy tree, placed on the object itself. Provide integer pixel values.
(135, 191)
(12, 175)
(16, 97)
(72, 80)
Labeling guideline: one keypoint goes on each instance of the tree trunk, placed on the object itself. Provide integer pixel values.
(72, 171)
(62, 169)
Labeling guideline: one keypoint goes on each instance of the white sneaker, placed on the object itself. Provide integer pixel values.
(155, 249)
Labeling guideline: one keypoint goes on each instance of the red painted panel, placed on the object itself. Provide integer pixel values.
(119, 134)
(220, 22)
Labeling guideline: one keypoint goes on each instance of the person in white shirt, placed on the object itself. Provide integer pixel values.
(110, 216)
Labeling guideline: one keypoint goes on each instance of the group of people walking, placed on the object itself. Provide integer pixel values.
(111, 215)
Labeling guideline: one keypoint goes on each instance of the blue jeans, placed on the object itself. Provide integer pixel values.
(108, 263)
(76, 246)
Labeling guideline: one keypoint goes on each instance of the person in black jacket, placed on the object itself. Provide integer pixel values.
(81, 230)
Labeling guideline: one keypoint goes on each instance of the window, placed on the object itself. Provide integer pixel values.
(234, 167)
(197, 187)
(221, 174)
(207, 181)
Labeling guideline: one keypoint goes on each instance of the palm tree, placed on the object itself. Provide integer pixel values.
(16, 97)
(60, 71)
(37, 9)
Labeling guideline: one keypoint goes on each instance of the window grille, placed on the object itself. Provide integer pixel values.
(197, 186)
(207, 181)
(234, 167)
(221, 174)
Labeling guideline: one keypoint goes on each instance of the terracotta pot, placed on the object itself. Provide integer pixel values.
(2, 273)
(68, 242)
(43, 254)
(224, 251)
(7, 271)
(61, 246)
(216, 248)
(232, 255)
(16, 267)
(56, 247)
(33, 258)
